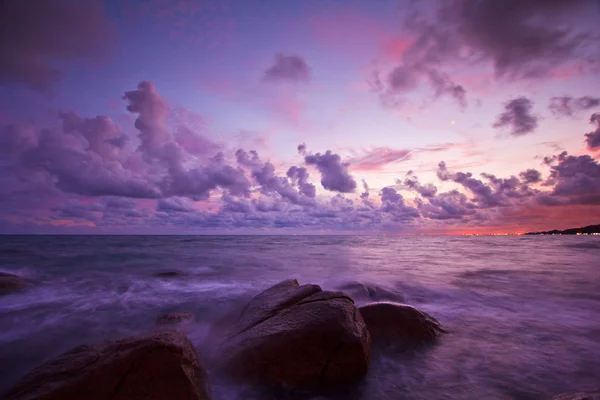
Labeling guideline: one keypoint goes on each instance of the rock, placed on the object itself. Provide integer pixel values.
(578, 396)
(10, 283)
(359, 291)
(159, 366)
(395, 321)
(168, 274)
(174, 318)
(297, 337)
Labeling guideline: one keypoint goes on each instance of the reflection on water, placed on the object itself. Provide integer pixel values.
(524, 312)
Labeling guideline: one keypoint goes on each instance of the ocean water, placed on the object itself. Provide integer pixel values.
(523, 312)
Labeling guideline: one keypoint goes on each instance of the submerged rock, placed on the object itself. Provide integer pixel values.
(395, 321)
(10, 283)
(359, 291)
(297, 336)
(159, 366)
(578, 396)
(168, 274)
(174, 318)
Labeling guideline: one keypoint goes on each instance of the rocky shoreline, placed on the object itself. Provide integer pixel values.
(289, 336)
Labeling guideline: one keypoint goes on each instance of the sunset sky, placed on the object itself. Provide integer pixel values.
(313, 116)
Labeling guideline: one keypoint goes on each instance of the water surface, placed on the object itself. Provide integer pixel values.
(523, 312)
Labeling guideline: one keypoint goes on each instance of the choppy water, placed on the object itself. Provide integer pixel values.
(524, 312)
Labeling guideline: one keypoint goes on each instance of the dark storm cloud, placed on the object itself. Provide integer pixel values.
(37, 35)
(287, 67)
(569, 106)
(334, 173)
(520, 38)
(592, 139)
(517, 117)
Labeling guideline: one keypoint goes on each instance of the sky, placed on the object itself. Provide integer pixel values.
(290, 117)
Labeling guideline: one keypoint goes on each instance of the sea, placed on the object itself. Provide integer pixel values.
(523, 312)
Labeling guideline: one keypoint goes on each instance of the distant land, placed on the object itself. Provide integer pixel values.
(586, 230)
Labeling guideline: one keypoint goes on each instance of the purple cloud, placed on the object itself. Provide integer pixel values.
(576, 180)
(334, 174)
(446, 206)
(531, 176)
(38, 36)
(293, 187)
(592, 139)
(520, 39)
(412, 183)
(287, 67)
(407, 77)
(569, 106)
(175, 204)
(517, 117)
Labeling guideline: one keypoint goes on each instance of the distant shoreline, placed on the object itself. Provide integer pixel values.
(586, 230)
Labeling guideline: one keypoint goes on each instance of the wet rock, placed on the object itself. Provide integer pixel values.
(578, 396)
(297, 336)
(10, 283)
(168, 274)
(399, 322)
(174, 318)
(360, 291)
(159, 366)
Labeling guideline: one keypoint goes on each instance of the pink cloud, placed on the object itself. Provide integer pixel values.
(377, 159)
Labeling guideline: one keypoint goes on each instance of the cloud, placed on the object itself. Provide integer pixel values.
(576, 180)
(447, 206)
(37, 37)
(408, 77)
(520, 39)
(175, 204)
(392, 202)
(443, 85)
(85, 172)
(592, 139)
(412, 182)
(288, 68)
(517, 117)
(376, 159)
(569, 106)
(531, 176)
(103, 136)
(294, 186)
(334, 174)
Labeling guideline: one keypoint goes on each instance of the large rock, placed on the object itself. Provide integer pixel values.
(399, 322)
(578, 396)
(10, 283)
(297, 336)
(160, 366)
(168, 274)
(172, 318)
(361, 291)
